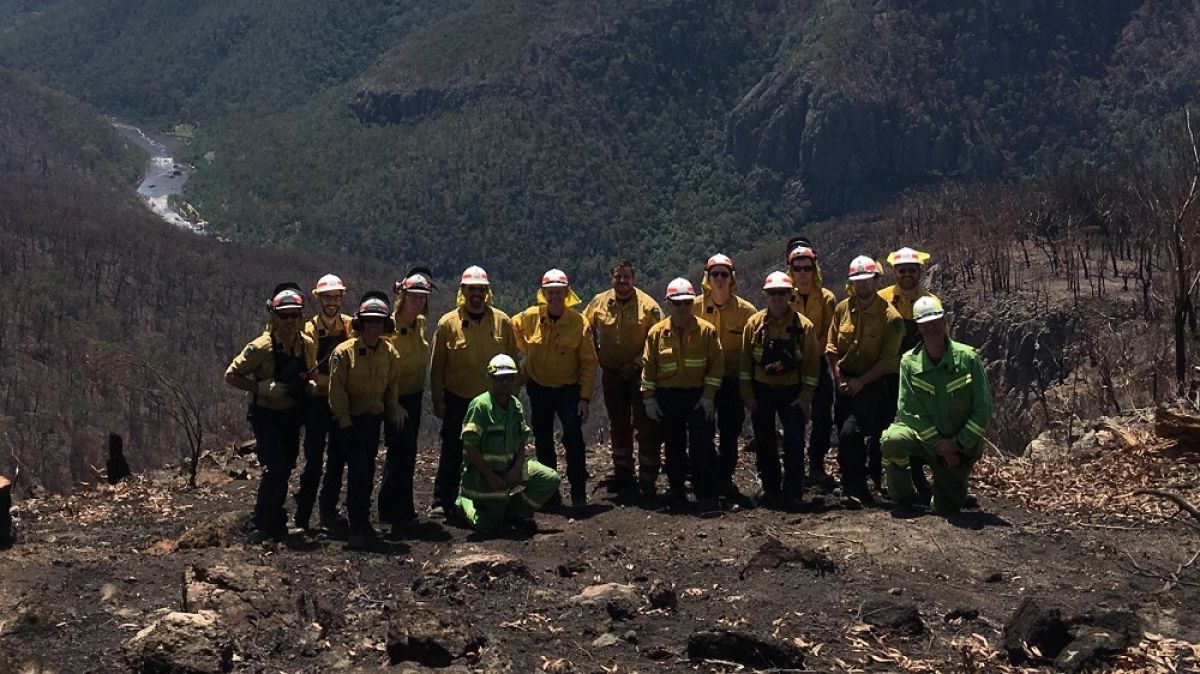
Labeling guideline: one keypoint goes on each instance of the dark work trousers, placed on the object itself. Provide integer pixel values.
(562, 401)
(320, 468)
(822, 421)
(689, 440)
(628, 421)
(396, 503)
(277, 445)
(917, 464)
(449, 472)
(362, 447)
(858, 417)
(731, 416)
(776, 401)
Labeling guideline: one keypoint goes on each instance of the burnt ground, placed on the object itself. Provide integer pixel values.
(92, 569)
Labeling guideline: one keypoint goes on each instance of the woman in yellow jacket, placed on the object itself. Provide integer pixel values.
(396, 504)
(815, 302)
(560, 361)
(274, 371)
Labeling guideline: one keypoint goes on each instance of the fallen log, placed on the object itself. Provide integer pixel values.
(6, 535)
(1177, 425)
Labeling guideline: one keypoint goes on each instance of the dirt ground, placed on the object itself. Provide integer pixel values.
(92, 569)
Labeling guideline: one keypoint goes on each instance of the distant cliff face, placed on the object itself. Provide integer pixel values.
(858, 101)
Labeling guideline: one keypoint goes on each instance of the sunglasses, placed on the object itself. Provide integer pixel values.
(908, 271)
(288, 316)
(719, 274)
(504, 378)
(778, 293)
(372, 320)
(804, 270)
(682, 303)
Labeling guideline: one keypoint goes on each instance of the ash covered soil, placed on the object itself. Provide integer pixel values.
(152, 576)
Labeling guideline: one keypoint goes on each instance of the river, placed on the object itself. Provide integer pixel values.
(163, 176)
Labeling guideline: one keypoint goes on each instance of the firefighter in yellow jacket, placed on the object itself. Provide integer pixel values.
(620, 318)
(466, 339)
(728, 312)
(781, 356)
(560, 363)
(323, 469)
(683, 369)
(274, 370)
(815, 302)
(908, 266)
(396, 504)
(364, 396)
(863, 348)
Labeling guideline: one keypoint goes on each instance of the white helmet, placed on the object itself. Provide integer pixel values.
(474, 276)
(863, 267)
(778, 280)
(719, 260)
(681, 289)
(927, 308)
(501, 363)
(907, 256)
(329, 283)
(555, 278)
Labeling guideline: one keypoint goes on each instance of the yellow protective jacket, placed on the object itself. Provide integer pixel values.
(363, 380)
(326, 339)
(806, 345)
(859, 338)
(729, 320)
(257, 362)
(620, 328)
(413, 349)
(462, 349)
(903, 304)
(690, 358)
(817, 307)
(557, 353)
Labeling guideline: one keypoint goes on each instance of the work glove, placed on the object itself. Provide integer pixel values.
(269, 388)
(652, 409)
(706, 404)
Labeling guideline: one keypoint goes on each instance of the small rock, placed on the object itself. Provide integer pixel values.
(961, 614)
(604, 592)
(659, 653)
(219, 533)
(416, 634)
(744, 648)
(901, 617)
(605, 640)
(630, 636)
(191, 643)
(1033, 624)
(994, 577)
(1095, 637)
(896, 591)
(620, 609)
(663, 596)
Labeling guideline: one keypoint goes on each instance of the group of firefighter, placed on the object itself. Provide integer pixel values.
(879, 367)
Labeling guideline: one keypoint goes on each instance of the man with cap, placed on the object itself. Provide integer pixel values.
(500, 483)
(908, 266)
(465, 341)
(683, 369)
(728, 312)
(560, 363)
(815, 302)
(363, 396)
(781, 355)
(620, 318)
(396, 505)
(863, 347)
(328, 328)
(274, 370)
(945, 404)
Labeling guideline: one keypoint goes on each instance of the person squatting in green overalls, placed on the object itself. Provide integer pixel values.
(500, 483)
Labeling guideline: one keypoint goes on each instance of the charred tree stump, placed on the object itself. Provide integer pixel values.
(1177, 425)
(6, 533)
(116, 467)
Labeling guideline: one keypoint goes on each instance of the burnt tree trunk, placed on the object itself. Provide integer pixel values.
(117, 468)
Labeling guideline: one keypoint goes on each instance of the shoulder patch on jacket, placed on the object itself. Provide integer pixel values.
(656, 313)
(249, 351)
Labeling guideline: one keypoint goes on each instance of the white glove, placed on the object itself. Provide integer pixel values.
(269, 388)
(652, 409)
(706, 404)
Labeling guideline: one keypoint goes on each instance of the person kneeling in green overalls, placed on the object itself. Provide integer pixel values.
(944, 406)
(500, 483)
